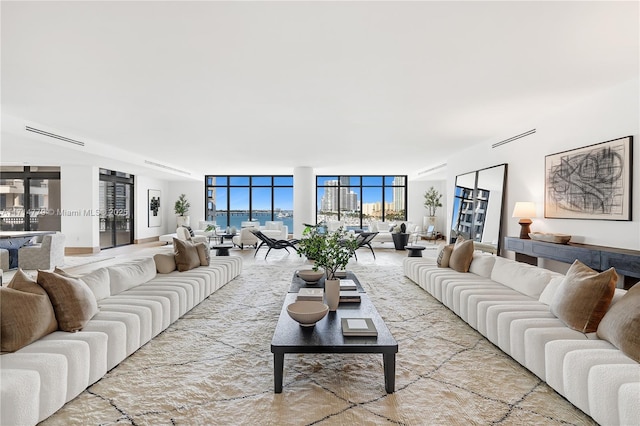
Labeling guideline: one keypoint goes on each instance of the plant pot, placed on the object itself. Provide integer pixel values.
(183, 220)
(332, 293)
(400, 240)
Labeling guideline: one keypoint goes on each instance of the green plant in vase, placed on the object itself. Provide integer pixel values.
(335, 252)
(311, 243)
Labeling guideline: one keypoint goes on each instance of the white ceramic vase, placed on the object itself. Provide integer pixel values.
(183, 220)
(332, 293)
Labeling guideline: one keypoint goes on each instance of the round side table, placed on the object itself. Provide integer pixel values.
(414, 251)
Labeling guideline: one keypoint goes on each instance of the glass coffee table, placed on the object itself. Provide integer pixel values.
(326, 337)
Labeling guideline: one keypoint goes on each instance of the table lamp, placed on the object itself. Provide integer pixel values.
(524, 210)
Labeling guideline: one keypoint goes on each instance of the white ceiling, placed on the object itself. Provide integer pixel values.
(262, 87)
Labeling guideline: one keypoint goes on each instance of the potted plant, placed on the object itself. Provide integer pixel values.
(331, 252)
(181, 208)
(431, 202)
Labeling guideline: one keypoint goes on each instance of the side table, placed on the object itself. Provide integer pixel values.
(222, 249)
(414, 250)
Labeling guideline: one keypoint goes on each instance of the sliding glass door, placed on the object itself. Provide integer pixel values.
(116, 209)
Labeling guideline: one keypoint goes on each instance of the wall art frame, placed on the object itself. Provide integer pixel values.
(154, 208)
(592, 182)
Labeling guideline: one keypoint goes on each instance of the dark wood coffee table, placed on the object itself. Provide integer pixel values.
(326, 337)
(297, 283)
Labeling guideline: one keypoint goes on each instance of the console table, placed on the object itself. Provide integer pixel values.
(626, 262)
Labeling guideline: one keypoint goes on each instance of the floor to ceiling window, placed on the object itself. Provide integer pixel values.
(29, 198)
(230, 200)
(116, 209)
(357, 200)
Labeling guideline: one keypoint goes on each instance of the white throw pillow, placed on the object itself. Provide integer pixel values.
(131, 274)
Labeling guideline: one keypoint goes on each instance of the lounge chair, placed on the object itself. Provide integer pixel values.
(271, 243)
(364, 240)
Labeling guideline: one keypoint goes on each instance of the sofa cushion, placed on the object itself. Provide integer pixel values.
(584, 296)
(26, 313)
(621, 324)
(131, 274)
(72, 300)
(98, 281)
(444, 256)
(482, 264)
(526, 279)
(186, 255)
(165, 262)
(550, 290)
(203, 254)
(461, 255)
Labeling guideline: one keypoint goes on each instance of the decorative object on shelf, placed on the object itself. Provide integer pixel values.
(181, 208)
(154, 213)
(524, 210)
(592, 182)
(307, 313)
(431, 202)
(550, 238)
(310, 276)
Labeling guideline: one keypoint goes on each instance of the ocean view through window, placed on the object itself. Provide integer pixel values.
(231, 200)
(358, 200)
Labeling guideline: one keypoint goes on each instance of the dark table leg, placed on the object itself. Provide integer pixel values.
(389, 362)
(278, 369)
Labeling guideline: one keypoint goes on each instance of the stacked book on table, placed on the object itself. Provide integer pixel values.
(349, 292)
(358, 327)
(313, 294)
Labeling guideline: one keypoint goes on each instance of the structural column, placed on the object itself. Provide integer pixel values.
(80, 201)
(303, 199)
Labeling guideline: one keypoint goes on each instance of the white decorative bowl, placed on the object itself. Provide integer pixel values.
(310, 276)
(306, 312)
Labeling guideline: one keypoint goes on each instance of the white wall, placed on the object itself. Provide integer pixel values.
(141, 204)
(194, 190)
(604, 116)
(415, 202)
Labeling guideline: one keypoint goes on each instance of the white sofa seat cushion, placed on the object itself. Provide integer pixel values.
(412, 266)
(97, 342)
(507, 303)
(53, 371)
(160, 307)
(19, 394)
(132, 327)
(232, 264)
(604, 383)
(469, 302)
(187, 300)
(518, 330)
(577, 365)
(555, 352)
(504, 325)
(171, 297)
(535, 340)
(628, 407)
(143, 313)
(116, 333)
(511, 311)
(77, 359)
(452, 288)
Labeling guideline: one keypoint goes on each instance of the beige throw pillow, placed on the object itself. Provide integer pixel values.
(165, 262)
(186, 255)
(203, 254)
(621, 324)
(26, 313)
(73, 302)
(583, 297)
(98, 281)
(444, 256)
(462, 255)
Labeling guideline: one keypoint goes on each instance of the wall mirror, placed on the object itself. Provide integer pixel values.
(478, 205)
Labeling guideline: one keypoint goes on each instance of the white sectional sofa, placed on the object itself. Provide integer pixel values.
(509, 303)
(384, 230)
(138, 304)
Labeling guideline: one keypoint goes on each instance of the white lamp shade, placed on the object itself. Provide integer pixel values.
(524, 209)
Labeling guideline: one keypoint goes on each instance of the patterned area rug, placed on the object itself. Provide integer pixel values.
(214, 366)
